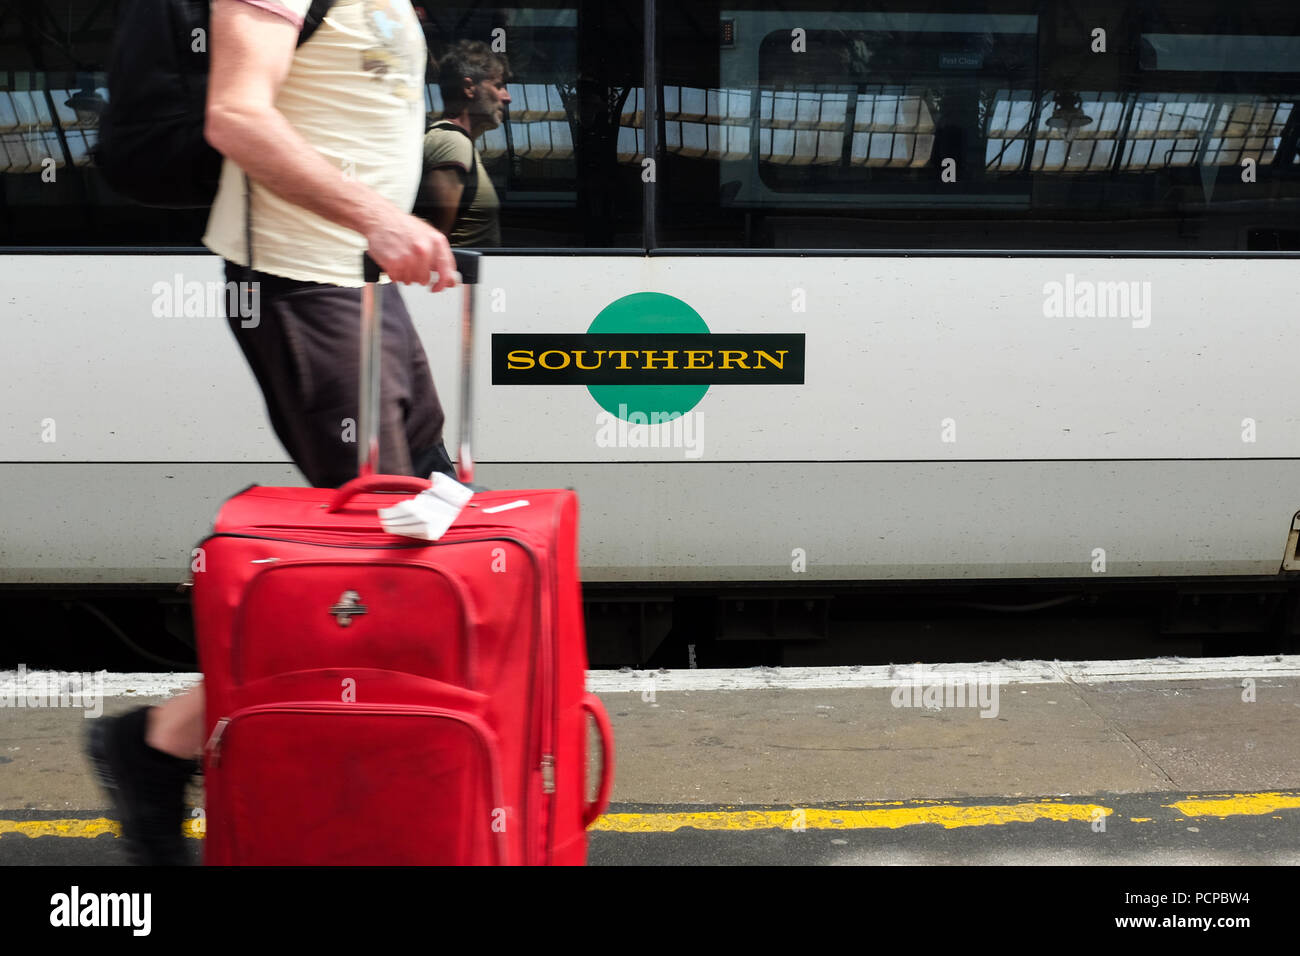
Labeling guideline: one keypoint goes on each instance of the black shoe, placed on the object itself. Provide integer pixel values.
(146, 786)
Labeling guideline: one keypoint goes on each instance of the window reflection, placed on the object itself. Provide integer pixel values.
(935, 126)
(554, 159)
(41, 128)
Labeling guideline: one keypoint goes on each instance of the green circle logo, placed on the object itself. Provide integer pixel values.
(648, 312)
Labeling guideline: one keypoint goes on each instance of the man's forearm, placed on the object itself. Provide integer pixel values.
(444, 218)
(261, 142)
(444, 189)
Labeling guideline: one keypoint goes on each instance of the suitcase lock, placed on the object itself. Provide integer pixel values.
(348, 607)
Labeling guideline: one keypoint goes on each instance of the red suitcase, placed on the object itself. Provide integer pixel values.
(374, 699)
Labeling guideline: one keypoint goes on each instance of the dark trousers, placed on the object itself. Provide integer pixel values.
(302, 343)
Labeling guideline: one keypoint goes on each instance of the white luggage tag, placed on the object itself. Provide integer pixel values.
(430, 513)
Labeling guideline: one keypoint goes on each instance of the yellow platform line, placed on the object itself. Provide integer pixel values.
(1237, 804)
(62, 828)
(889, 818)
(85, 829)
(948, 817)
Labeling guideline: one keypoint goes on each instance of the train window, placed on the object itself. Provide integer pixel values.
(554, 161)
(1166, 125)
(52, 86)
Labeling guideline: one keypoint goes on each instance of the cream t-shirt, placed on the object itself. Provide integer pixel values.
(355, 92)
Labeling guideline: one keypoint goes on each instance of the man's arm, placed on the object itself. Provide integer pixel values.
(251, 51)
(444, 187)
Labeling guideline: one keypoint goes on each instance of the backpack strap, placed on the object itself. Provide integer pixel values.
(312, 19)
(248, 220)
(311, 22)
(470, 192)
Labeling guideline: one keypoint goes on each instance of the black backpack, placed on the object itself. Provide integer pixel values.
(151, 147)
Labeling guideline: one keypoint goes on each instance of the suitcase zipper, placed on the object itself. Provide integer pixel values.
(553, 694)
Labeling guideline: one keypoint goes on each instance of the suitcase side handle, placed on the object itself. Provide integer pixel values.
(368, 484)
(591, 811)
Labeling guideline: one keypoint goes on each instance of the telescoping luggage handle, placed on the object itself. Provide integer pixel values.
(467, 264)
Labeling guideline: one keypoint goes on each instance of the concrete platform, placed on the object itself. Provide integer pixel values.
(823, 735)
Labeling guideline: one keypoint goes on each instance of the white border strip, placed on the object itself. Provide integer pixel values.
(900, 675)
(115, 685)
(827, 678)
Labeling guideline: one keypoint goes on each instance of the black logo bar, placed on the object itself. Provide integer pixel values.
(657, 358)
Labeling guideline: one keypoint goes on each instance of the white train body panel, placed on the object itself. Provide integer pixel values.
(957, 418)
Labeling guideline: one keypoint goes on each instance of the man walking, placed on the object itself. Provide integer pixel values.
(322, 163)
(465, 205)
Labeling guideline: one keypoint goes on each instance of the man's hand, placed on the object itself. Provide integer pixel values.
(409, 249)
